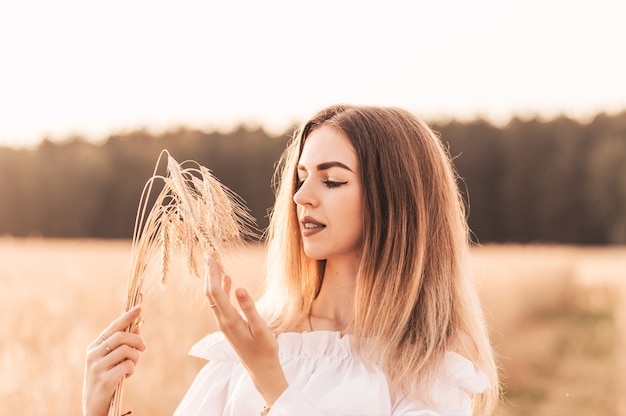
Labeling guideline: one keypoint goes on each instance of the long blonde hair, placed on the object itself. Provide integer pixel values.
(415, 298)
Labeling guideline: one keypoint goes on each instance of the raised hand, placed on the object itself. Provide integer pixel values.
(250, 337)
(110, 357)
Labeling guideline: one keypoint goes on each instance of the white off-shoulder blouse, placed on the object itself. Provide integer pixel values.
(326, 378)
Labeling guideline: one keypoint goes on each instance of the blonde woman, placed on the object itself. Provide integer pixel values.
(369, 305)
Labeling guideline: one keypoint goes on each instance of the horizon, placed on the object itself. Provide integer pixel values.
(71, 136)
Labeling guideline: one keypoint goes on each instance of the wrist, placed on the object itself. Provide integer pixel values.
(270, 385)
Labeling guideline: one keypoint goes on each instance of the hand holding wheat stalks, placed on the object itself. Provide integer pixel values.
(192, 215)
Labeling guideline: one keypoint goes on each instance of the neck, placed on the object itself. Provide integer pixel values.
(333, 308)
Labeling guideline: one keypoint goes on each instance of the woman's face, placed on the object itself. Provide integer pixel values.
(329, 197)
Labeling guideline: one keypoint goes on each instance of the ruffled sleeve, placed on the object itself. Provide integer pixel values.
(451, 394)
(326, 378)
(293, 402)
(208, 393)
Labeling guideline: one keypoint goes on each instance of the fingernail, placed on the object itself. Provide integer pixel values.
(134, 308)
(240, 293)
(207, 256)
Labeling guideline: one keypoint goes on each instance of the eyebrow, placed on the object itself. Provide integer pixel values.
(328, 165)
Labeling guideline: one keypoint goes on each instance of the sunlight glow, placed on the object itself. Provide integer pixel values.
(72, 67)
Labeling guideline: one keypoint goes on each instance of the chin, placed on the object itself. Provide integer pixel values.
(315, 254)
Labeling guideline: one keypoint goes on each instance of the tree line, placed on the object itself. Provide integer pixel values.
(533, 180)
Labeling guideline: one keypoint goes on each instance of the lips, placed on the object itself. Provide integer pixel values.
(311, 226)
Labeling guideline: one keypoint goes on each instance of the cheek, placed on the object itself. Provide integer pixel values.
(353, 216)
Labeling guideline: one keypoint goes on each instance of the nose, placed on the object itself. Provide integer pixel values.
(305, 195)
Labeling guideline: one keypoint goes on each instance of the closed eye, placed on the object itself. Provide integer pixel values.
(334, 184)
(329, 184)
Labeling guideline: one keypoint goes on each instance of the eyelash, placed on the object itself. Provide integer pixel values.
(334, 184)
(329, 184)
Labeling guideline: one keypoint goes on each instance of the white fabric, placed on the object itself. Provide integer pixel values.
(326, 378)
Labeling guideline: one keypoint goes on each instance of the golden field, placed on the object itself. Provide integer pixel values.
(558, 317)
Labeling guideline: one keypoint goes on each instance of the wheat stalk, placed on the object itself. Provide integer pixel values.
(193, 214)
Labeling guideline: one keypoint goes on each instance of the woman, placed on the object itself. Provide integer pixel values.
(369, 305)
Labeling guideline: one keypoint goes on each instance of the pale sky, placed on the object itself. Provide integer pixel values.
(96, 68)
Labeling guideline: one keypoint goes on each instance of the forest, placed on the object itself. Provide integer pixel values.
(532, 180)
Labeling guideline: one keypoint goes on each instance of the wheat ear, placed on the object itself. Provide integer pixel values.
(193, 214)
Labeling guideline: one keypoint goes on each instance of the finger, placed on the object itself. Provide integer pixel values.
(120, 324)
(119, 355)
(126, 338)
(246, 303)
(206, 290)
(114, 365)
(215, 290)
(226, 285)
(109, 350)
(123, 369)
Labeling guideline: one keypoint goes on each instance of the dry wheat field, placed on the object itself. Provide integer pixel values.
(558, 318)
